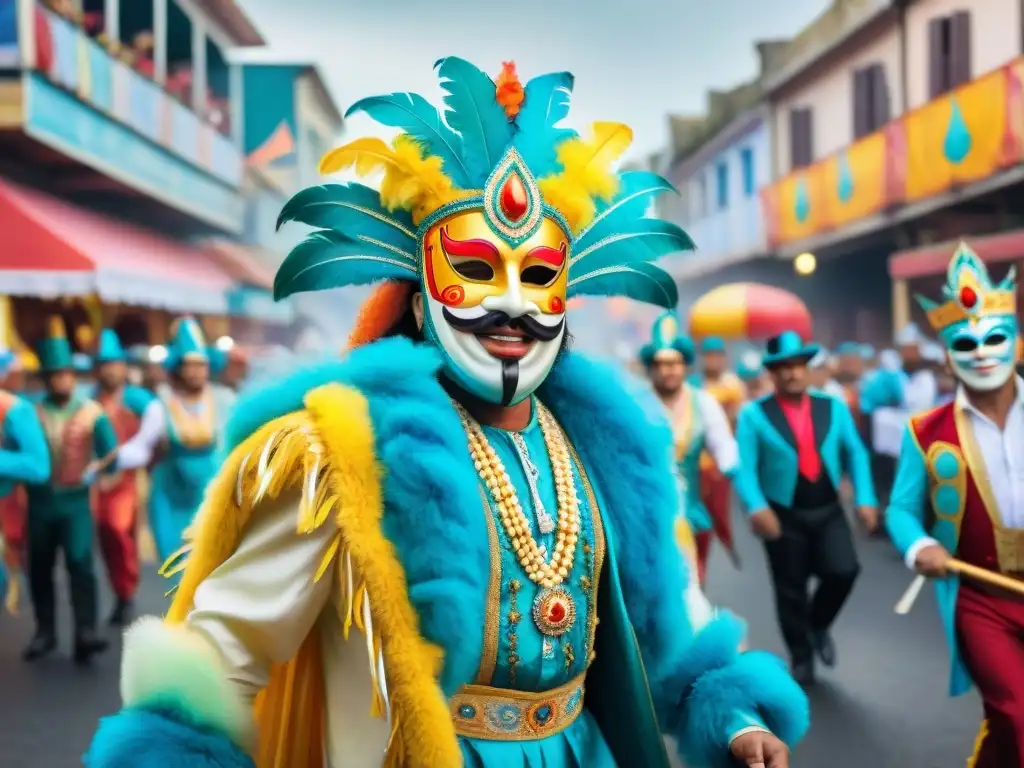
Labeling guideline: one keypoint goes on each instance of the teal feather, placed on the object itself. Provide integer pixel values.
(328, 259)
(353, 210)
(636, 241)
(417, 117)
(474, 112)
(641, 282)
(637, 189)
(545, 104)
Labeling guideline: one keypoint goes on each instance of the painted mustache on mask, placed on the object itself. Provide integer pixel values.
(495, 320)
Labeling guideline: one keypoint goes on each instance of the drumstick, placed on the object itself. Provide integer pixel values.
(910, 596)
(986, 576)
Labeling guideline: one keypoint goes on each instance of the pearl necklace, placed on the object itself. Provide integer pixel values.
(517, 526)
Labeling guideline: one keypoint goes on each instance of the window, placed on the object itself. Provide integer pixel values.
(747, 166)
(870, 100)
(801, 137)
(949, 52)
(722, 185)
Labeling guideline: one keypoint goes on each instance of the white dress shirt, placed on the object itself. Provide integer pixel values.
(1003, 453)
(718, 437)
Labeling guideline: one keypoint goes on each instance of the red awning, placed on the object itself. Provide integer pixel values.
(51, 247)
(933, 259)
(241, 262)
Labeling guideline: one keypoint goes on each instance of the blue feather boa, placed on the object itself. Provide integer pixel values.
(433, 504)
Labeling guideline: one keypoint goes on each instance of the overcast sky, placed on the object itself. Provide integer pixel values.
(634, 60)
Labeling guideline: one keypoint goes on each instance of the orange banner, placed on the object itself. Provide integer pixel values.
(956, 139)
(799, 205)
(963, 137)
(855, 181)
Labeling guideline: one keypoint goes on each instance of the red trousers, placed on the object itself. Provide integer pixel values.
(703, 540)
(13, 515)
(116, 518)
(990, 629)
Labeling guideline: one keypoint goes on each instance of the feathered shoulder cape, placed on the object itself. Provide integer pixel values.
(375, 446)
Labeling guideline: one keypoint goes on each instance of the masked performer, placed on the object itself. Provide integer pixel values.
(117, 502)
(59, 511)
(24, 458)
(698, 423)
(795, 446)
(964, 458)
(493, 513)
(186, 430)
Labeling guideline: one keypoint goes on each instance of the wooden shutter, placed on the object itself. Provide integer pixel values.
(795, 142)
(861, 103)
(960, 48)
(936, 59)
(808, 136)
(880, 105)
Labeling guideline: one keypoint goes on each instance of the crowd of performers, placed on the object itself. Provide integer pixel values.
(519, 534)
(76, 435)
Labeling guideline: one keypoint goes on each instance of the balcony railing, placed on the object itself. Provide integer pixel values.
(960, 138)
(73, 61)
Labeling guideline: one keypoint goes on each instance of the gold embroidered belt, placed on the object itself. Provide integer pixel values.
(500, 714)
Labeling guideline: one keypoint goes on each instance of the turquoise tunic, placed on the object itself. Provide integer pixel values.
(537, 662)
(178, 483)
(689, 447)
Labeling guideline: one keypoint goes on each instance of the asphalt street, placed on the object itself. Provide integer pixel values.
(884, 706)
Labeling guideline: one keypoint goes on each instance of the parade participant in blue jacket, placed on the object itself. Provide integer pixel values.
(492, 511)
(24, 458)
(795, 446)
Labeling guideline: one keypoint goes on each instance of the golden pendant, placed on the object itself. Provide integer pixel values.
(554, 612)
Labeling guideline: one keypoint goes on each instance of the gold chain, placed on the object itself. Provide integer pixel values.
(517, 526)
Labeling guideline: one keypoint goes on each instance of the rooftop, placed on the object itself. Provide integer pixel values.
(230, 16)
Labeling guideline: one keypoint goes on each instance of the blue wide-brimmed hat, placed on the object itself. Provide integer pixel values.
(788, 346)
(712, 344)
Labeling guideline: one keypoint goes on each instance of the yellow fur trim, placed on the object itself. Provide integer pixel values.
(979, 741)
(327, 451)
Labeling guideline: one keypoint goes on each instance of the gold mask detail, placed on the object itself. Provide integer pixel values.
(465, 262)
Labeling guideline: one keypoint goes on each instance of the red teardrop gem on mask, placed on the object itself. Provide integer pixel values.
(513, 200)
(968, 297)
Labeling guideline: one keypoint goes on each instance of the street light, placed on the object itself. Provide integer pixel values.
(157, 354)
(225, 344)
(805, 264)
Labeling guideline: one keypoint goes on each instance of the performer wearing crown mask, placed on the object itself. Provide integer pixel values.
(967, 458)
(698, 422)
(492, 512)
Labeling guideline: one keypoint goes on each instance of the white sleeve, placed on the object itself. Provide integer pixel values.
(921, 391)
(138, 451)
(910, 559)
(717, 433)
(259, 606)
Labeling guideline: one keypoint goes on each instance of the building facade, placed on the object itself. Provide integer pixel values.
(888, 115)
(721, 182)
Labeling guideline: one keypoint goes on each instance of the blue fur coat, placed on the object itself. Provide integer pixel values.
(431, 495)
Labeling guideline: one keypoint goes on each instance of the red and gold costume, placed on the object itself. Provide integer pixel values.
(716, 488)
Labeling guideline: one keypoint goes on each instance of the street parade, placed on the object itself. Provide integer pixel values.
(470, 425)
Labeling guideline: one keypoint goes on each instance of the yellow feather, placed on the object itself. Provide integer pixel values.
(411, 181)
(587, 173)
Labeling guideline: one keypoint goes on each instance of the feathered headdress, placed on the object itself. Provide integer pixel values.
(969, 293)
(498, 148)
